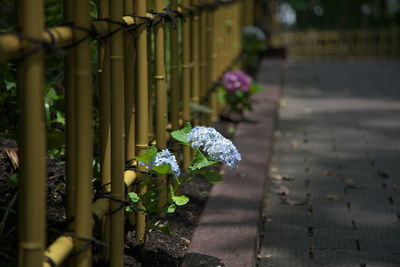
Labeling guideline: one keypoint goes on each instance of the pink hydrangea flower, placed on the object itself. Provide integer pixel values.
(237, 80)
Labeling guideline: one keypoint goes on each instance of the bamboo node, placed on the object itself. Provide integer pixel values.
(159, 77)
(32, 245)
(189, 65)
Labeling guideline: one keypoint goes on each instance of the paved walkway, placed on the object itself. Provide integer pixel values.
(334, 191)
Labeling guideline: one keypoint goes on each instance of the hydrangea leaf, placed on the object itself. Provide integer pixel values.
(181, 135)
(163, 169)
(133, 197)
(149, 200)
(171, 208)
(212, 176)
(148, 156)
(201, 161)
(180, 200)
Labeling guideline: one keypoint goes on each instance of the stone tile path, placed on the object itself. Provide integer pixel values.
(333, 194)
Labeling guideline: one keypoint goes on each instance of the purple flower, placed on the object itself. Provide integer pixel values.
(237, 80)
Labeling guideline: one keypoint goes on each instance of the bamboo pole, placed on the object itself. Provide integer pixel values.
(195, 87)
(70, 128)
(129, 88)
(117, 137)
(161, 99)
(83, 78)
(186, 71)
(142, 113)
(70, 96)
(32, 145)
(215, 61)
(175, 81)
(202, 64)
(129, 68)
(104, 113)
(210, 55)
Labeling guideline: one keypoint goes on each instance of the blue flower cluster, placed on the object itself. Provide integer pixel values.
(217, 147)
(162, 158)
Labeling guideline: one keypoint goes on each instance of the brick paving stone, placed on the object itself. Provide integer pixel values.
(339, 138)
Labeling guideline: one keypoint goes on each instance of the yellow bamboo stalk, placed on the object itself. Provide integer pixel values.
(195, 87)
(105, 134)
(117, 137)
(83, 78)
(130, 58)
(70, 96)
(175, 82)
(202, 64)
(32, 145)
(142, 113)
(186, 71)
(161, 99)
(212, 60)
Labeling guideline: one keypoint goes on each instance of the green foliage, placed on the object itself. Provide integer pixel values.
(201, 161)
(181, 135)
(148, 155)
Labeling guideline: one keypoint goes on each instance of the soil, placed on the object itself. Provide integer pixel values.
(160, 250)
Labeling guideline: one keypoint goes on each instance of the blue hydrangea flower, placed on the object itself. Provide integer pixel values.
(215, 145)
(162, 158)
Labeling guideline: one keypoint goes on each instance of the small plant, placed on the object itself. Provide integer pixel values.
(238, 87)
(210, 148)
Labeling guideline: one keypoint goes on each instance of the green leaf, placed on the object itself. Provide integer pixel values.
(134, 197)
(171, 208)
(162, 169)
(181, 135)
(148, 155)
(212, 176)
(180, 200)
(201, 161)
(149, 200)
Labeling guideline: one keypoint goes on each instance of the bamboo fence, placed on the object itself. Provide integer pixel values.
(362, 44)
(204, 41)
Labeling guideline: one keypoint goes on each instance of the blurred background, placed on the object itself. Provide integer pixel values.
(332, 28)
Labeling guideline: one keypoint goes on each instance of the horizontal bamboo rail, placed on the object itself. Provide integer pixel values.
(198, 59)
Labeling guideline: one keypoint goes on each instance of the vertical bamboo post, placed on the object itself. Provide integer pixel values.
(202, 64)
(32, 147)
(83, 78)
(161, 99)
(214, 61)
(195, 87)
(186, 68)
(175, 82)
(209, 59)
(142, 113)
(150, 80)
(105, 134)
(130, 57)
(70, 96)
(129, 69)
(117, 137)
